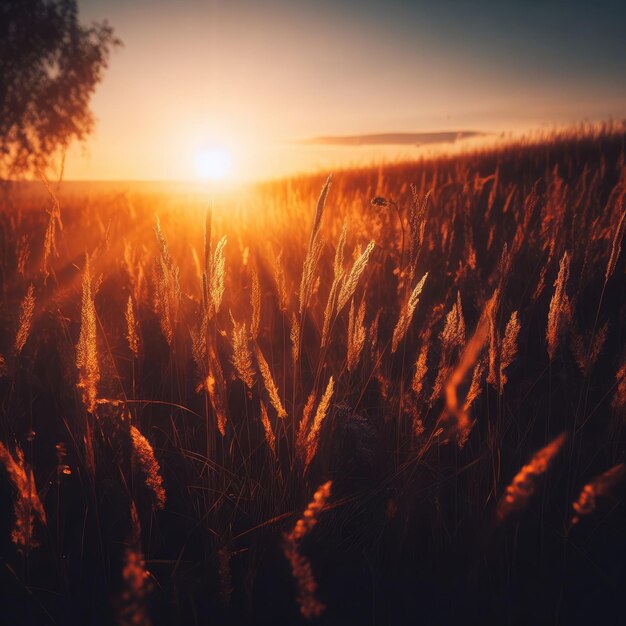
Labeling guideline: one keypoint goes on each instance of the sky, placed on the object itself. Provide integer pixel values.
(236, 84)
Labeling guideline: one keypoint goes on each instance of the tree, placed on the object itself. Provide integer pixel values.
(50, 65)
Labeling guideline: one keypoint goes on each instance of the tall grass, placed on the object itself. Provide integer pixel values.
(241, 360)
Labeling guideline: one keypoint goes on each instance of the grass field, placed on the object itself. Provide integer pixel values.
(394, 397)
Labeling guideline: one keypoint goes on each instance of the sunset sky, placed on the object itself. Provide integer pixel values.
(245, 80)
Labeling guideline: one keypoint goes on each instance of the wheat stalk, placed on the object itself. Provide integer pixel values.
(206, 274)
(167, 292)
(279, 279)
(54, 222)
(351, 281)
(267, 427)
(421, 369)
(417, 225)
(313, 436)
(509, 347)
(356, 334)
(309, 272)
(319, 209)
(334, 289)
(406, 315)
(451, 338)
(255, 301)
(559, 314)
(242, 356)
(314, 251)
(27, 308)
(218, 275)
(475, 387)
(86, 349)
(131, 328)
(268, 381)
(303, 427)
(468, 358)
(295, 337)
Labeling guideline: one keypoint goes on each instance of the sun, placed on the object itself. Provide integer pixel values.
(213, 163)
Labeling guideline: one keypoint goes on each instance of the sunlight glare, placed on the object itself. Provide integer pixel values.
(213, 164)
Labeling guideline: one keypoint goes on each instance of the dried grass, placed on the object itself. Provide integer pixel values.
(144, 457)
(301, 569)
(27, 505)
(523, 486)
(27, 308)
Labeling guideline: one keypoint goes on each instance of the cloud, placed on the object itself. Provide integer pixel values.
(391, 139)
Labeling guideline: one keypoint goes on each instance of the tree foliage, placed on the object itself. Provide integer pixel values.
(50, 65)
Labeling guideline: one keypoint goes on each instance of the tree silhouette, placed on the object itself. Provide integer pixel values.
(50, 65)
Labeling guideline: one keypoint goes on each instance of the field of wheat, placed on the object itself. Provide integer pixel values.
(396, 395)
